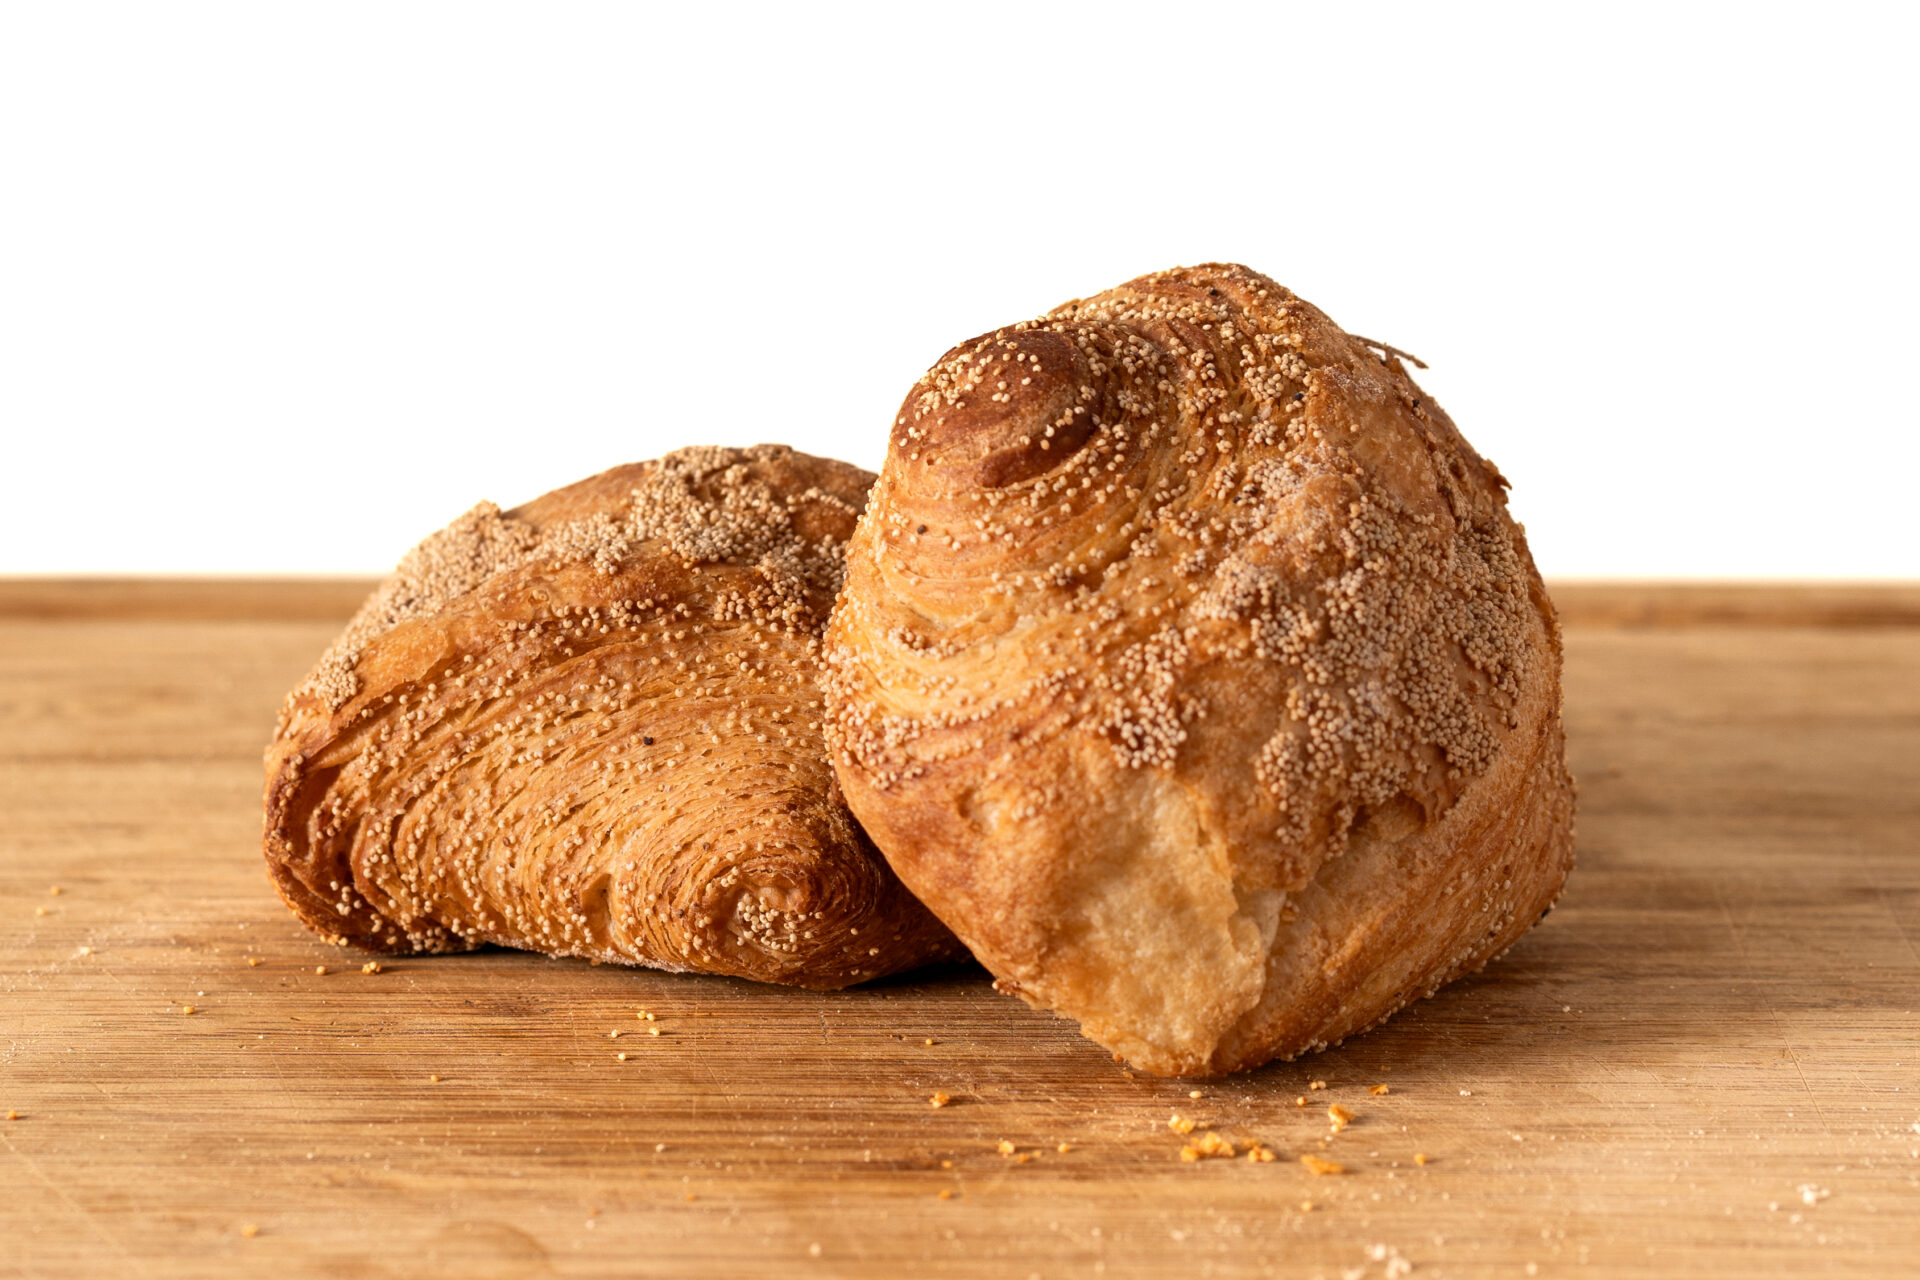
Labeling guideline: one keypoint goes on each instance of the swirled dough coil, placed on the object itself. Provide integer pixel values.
(1191, 668)
(591, 726)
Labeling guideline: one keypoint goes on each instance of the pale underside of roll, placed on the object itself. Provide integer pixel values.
(1190, 667)
(591, 726)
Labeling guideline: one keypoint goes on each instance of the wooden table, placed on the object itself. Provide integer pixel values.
(1706, 1062)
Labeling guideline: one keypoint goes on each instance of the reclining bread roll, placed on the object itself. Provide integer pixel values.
(591, 726)
(1190, 668)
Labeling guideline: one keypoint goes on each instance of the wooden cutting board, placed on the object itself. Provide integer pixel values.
(1706, 1062)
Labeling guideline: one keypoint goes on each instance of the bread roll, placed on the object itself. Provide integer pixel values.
(591, 726)
(1190, 667)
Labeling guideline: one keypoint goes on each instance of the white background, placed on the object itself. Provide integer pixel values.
(285, 287)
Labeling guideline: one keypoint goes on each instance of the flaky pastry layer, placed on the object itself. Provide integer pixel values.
(1191, 668)
(591, 726)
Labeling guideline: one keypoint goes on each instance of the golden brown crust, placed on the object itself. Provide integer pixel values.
(1190, 667)
(591, 726)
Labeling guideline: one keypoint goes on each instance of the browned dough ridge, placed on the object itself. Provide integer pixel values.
(1190, 667)
(591, 726)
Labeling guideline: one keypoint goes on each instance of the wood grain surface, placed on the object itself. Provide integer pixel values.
(1705, 1062)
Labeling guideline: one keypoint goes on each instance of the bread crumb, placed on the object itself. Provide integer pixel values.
(1397, 1266)
(1194, 1093)
(55, 892)
(84, 951)
(12, 1114)
(253, 962)
(930, 1042)
(1419, 1157)
(187, 1008)
(1005, 1148)
(1300, 1101)
(433, 1079)
(1306, 1206)
(1180, 1124)
(249, 1231)
(1379, 1089)
(1063, 1148)
(619, 1057)
(1339, 1117)
(939, 1099)
(1317, 1084)
(644, 1016)
(320, 969)
(371, 966)
(1466, 1093)
(946, 1193)
(1258, 1154)
(1207, 1144)
(653, 1031)
(1320, 1168)
(39, 911)
(613, 1035)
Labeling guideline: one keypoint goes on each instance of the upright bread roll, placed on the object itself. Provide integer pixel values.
(591, 726)
(1190, 667)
